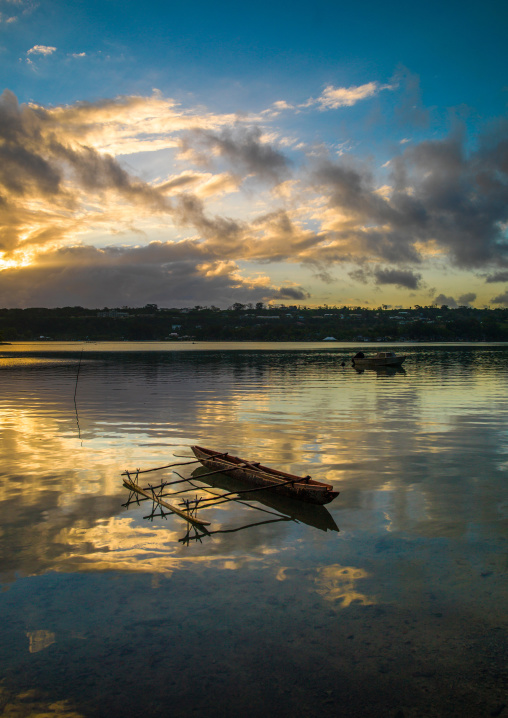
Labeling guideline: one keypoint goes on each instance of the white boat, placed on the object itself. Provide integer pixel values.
(379, 359)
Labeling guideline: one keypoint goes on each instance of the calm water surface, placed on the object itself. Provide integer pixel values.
(390, 601)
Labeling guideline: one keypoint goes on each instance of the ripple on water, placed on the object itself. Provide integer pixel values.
(406, 600)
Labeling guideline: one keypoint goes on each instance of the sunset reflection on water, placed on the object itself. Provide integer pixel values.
(419, 459)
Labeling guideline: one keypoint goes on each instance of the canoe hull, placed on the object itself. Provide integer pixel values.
(313, 492)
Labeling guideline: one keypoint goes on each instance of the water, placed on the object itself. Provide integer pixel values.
(390, 601)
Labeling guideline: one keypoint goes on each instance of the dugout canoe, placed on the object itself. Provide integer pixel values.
(257, 475)
(311, 514)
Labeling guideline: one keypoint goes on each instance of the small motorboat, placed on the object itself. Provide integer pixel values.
(259, 476)
(378, 360)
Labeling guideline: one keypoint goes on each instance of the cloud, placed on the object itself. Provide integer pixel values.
(293, 293)
(218, 184)
(443, 199)
(281, 105)
(335, 97)
(465, 300)
(23, 8)
(43, 172)
(332, 98)
(204, 184)
(127, 124)
(244, 149)
(359, 275)
(41, 50)
(169, 274)
(500, 299)
(53, 186)
(399, 277)
(65, 180)
(442, 300)
(7, 19)
(497, 277)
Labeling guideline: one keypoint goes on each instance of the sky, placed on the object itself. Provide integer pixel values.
(322, 154)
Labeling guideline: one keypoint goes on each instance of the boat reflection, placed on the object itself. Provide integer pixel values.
(311, 514)
(277, 508)
(381, 370)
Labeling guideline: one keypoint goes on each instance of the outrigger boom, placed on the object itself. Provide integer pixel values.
(129, 484)
(252, 474)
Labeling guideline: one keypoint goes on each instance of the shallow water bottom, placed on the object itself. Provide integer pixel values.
(209, 643)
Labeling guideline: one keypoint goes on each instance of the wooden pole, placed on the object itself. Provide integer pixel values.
(77, 376)
(243, 503)
(218, 471)
(258, 488)
(169, 466)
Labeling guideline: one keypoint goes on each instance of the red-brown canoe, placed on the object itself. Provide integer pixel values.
(254, 473)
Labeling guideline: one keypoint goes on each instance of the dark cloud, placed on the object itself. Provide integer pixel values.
(352, 191)
(359, 275)
(168, 274)
(323, 275)
(442, 299)
(223, 235)
(98, 172)
(441, 194)
(497, 277)
(23, 172)
(244, 150)
(462, 199)
(399, 277)
(465, 300)
(290, 293)
(500, 299)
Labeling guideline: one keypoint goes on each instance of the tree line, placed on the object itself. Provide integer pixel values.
(247, 322)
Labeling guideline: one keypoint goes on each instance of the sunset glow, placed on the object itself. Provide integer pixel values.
(350, 175)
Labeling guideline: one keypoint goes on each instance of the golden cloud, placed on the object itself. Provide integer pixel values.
(65, 183)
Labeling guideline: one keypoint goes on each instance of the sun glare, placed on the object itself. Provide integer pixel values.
(20, 259)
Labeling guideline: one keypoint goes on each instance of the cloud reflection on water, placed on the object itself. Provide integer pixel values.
(410, 453)
(335, 583)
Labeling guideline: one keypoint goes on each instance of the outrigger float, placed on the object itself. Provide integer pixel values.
(257, 477)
